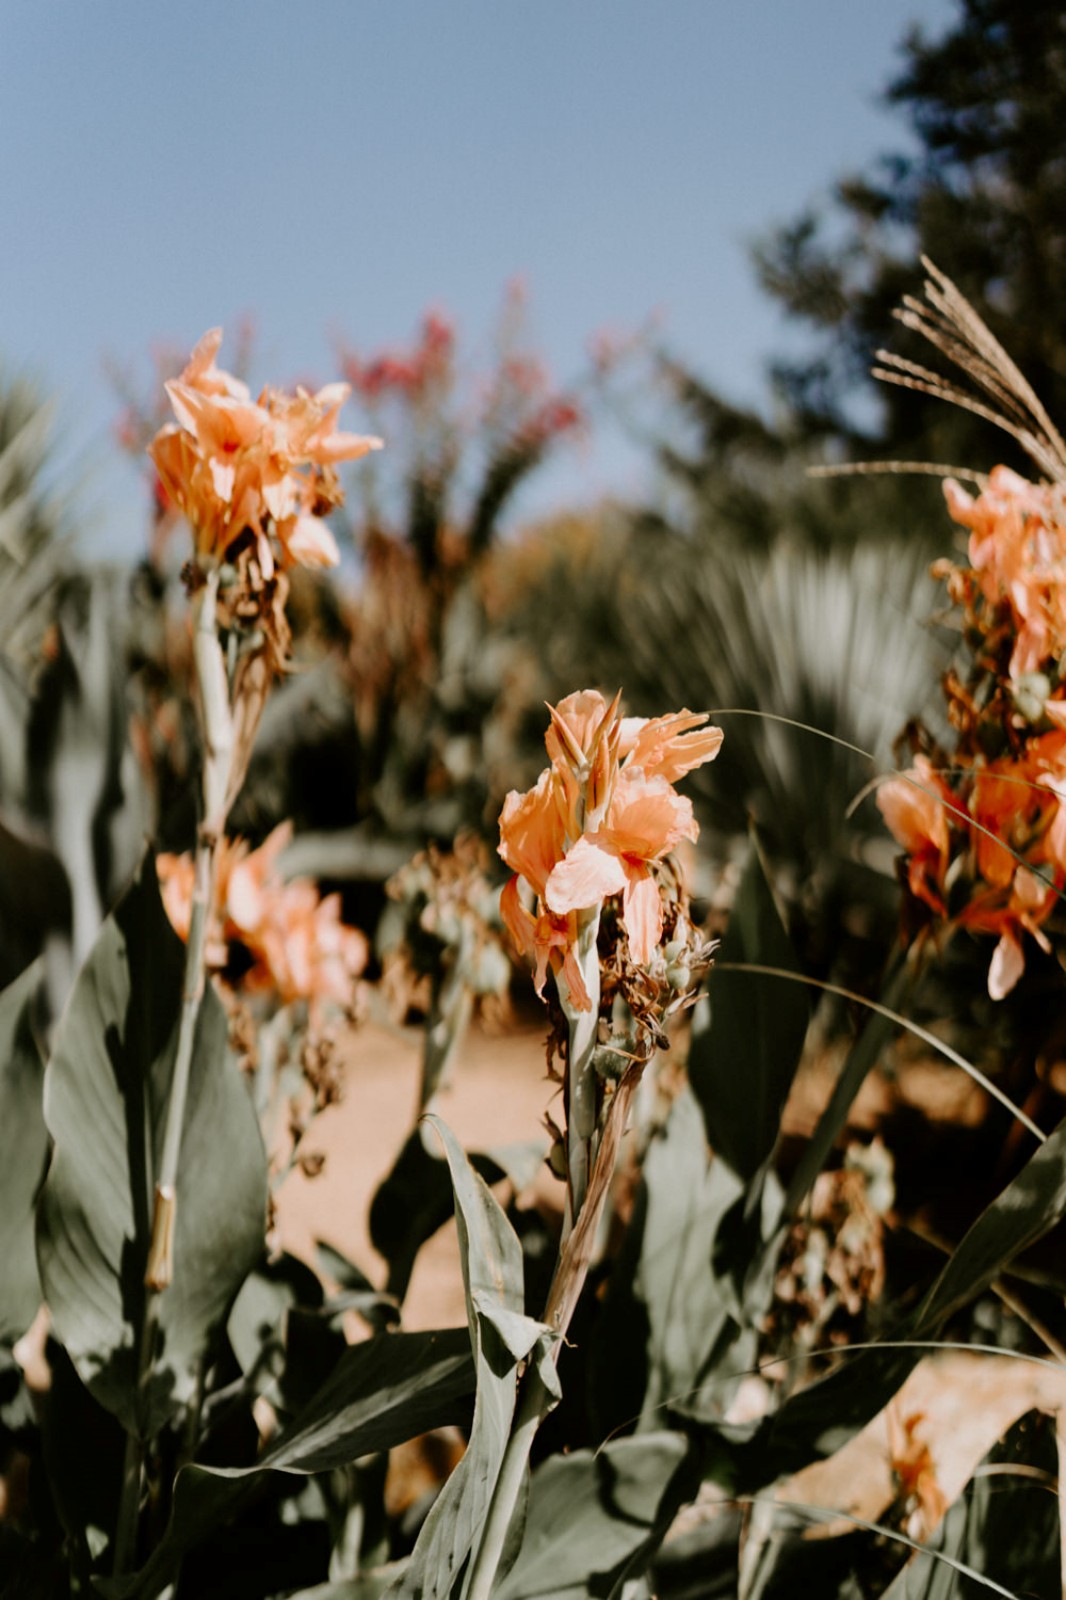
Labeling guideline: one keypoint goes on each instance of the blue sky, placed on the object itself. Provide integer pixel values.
(338, 166)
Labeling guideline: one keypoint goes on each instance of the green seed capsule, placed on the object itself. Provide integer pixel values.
(608, 1064)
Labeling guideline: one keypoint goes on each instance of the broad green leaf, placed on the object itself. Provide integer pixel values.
(415, 1198)
(501, 1337)
(377, 1309)
(1004, 1525)
(686, 1304)
(83, 1448)
(23, 1153)
(255, 1323)
(595, 1516)
(106, 1090)
(748, 1031)
(411, 1203)
(382, 1392)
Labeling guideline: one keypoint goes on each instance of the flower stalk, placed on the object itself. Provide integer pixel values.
(254, 480)
(596, 828)
(213, 695)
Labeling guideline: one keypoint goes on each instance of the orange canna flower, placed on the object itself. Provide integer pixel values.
(299, 947)
(1018, 554)
(645, 820)
(597, 822)
(917, 807)
(231, 464)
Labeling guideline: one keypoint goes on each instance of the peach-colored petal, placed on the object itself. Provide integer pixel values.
(668, 747)
(587, 874)
(575, 983)
(642, 912)
(219, 422)
(914, 807)
(517, 919)
(531, 831)
(582, 712)
(201, 373)
(647, 818)
(307, 541)
(1007, 965)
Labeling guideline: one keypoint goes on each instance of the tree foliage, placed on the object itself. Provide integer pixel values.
(979, 191)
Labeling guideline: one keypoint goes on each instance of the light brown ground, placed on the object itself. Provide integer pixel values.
(499, 1097)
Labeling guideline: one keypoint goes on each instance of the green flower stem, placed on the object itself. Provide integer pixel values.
(534, 1403)
(535, 1399)
(213, 695)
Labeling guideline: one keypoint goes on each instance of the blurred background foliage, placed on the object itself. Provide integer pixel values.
(745, 583)
(744, 586)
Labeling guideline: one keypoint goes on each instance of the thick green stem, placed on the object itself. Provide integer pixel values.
(159, 1269)
(534, 1402)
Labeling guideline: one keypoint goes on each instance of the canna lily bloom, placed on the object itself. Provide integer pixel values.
(645, 820)
(916, 806)
(598, 821)
(299, 947)
(268, 466)
(1017, 552)
(1027, 904)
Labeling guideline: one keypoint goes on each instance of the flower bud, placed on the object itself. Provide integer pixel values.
(608, 1064)
(1030, 692)
(678, 974)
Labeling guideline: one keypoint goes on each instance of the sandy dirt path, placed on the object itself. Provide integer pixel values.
(500, 1096)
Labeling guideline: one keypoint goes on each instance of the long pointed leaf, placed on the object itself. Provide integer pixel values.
(106, 1090)
(23, 1153)
(382, 1392)
(501, 1337)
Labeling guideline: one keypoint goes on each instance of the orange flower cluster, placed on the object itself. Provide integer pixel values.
(984, 827)
(596, 824)
(233, 465)
(290, 942)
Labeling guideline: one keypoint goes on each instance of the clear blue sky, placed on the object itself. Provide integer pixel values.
(338, 165)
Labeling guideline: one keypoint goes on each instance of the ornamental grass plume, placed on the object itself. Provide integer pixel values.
(983, 825)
